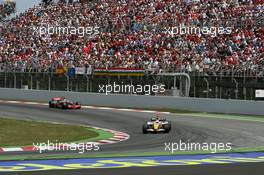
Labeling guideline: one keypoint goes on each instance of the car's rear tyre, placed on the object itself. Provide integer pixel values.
(144, 129)
(64, 106)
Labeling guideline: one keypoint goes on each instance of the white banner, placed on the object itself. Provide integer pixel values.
(259, 93)
(80, 70)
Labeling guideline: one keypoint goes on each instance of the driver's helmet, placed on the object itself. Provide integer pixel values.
(157, 118)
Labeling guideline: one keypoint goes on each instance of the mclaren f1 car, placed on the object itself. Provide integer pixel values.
(63, 103)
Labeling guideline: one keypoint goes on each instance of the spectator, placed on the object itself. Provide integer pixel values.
(6, 8)
(132, 35)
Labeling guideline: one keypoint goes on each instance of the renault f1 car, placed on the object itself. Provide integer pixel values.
(157, 125)
(63, 103)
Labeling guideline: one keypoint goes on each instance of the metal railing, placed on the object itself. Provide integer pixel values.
(224, 86)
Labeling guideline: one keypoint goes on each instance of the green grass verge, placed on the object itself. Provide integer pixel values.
(226, 116)
(179, 111)
(24, 133)
(196, 113)
(258, 118)
(102, 135)
(128, 154)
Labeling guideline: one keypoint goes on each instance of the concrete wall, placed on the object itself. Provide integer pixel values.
(135, 101)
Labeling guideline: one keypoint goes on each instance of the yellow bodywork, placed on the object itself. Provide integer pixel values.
(156, 126)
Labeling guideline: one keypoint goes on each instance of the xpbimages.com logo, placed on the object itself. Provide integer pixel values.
(205, 30)
(189, 146)
(131, 89)
(57, 146)
(66, 30)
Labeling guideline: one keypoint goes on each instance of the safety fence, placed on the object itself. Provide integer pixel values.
(222, 86)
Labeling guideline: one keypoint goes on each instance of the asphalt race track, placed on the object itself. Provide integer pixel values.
(186, 128)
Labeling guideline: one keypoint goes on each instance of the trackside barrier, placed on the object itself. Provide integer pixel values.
(138, 101)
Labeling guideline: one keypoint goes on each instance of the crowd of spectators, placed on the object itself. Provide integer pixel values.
(6, 8)
(132, 34)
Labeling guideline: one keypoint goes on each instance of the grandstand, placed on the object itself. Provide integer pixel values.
(7, 7)
(133, 34)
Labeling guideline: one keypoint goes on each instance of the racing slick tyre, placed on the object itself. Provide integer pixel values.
(64, 106)
(77, 103)
(167, 127)
(145, 127)
(51, 105)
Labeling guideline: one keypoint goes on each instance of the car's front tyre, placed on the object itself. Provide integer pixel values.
(167, 127)
(144, 129)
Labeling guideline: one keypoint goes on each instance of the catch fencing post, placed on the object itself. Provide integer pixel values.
(14, 80)
(236, 91)
(5, 80)
(207, 87)
(188, 82)
(49, 82)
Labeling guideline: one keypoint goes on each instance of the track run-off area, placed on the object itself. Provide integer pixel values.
(244, 133)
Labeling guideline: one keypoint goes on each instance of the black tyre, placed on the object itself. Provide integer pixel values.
(167, 127)
(169, 123)
(144, 129)
(64, 106)
(51, 105)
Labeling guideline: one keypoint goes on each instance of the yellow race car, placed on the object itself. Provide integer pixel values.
(156, 125)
